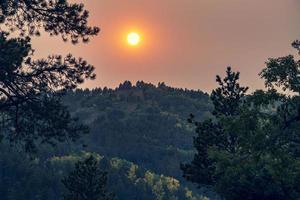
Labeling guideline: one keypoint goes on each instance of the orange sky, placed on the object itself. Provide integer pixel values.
(185, 42)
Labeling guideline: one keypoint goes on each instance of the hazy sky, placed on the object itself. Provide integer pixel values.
(185, 42)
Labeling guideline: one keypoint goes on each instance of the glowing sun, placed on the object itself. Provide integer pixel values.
(133, 38)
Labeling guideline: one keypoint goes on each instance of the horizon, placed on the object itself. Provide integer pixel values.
(134, 85)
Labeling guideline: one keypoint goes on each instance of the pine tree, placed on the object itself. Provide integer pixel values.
(87, 182)
(31, 112)
(250, 149)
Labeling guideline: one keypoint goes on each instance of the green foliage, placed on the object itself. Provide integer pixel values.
(282, 72)
(29, 87)
(143, 124)
(251, 149)
(144, 184)
(227, 97)
(40, 179)
(87, 182)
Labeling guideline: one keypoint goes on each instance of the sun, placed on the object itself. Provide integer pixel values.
(133, 38)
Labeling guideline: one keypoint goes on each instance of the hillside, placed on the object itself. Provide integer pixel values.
(127, 180)
(139, 132)
(144, 124)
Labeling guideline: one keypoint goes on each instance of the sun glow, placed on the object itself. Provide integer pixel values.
(133, 38)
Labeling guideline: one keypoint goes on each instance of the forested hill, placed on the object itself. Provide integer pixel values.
(140, 132)
(142, 97)
(142, 123)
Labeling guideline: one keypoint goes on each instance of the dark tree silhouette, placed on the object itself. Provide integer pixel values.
(226, 100)
(250, 149)
(227, 97)
(296, 45)
(30, 88)
(54, 16)
(87, 182)
(125, 86)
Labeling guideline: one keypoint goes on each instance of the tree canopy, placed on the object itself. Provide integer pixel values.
(87, 182)
(250, 148)
(30, 88)
(57, 17)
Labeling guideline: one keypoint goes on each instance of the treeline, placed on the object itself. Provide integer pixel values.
(141, 123)
(140, 133)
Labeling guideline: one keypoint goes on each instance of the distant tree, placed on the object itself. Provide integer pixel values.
(87, 182)
(251, 148)
(296, 45)
(127, 85)
(162, 85)
(30, 88)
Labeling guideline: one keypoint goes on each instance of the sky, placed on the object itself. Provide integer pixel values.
(185, 43)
